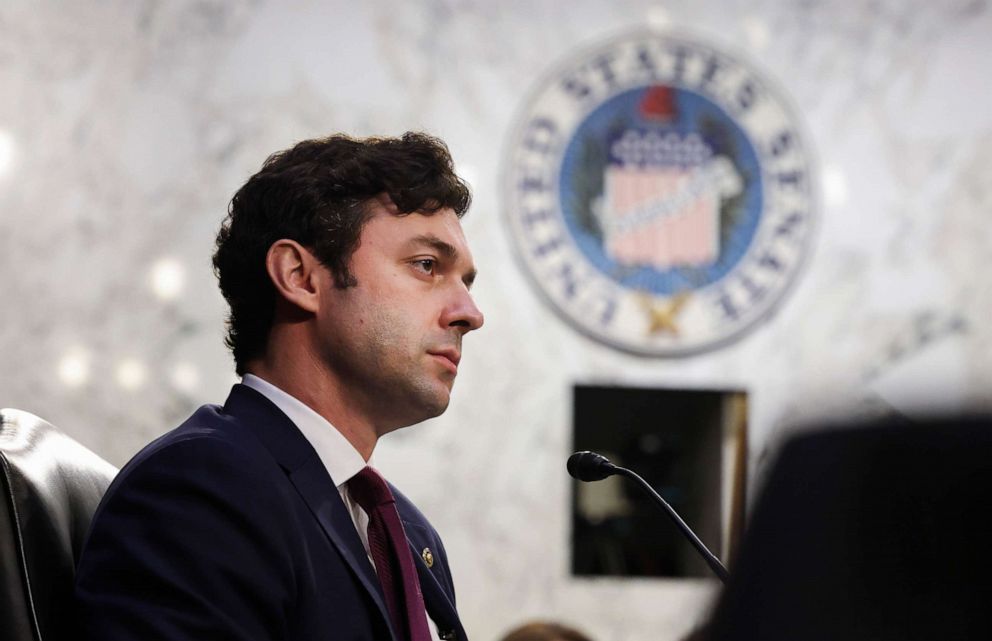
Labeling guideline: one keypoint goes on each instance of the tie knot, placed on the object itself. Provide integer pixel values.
(369, 490)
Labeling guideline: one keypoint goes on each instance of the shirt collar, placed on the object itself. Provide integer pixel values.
(339, 456)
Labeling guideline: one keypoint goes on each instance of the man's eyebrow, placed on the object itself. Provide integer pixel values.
(447, 250)
(442, 247)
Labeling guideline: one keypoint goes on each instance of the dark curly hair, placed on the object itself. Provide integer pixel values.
(544, 631)
(317, 193)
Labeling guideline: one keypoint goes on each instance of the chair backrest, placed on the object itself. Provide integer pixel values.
(50, 485)
(874, 532)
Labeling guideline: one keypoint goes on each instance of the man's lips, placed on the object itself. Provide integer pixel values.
(449, 357)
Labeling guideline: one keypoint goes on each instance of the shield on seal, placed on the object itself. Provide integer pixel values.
(662, 194)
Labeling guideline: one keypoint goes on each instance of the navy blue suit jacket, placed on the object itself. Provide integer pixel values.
(230, 528)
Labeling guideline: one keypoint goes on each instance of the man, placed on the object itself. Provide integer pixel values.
(347, 275)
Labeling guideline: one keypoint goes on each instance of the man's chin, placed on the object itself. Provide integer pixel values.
(430, 401)
(437, 405)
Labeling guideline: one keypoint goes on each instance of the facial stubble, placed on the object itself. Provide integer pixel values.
(395, 371)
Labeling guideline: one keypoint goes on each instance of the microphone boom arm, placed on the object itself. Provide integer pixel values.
(708, 556)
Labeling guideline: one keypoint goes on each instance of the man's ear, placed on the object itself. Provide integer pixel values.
(295, 273)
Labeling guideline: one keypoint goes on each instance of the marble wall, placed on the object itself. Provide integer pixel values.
(126, 126)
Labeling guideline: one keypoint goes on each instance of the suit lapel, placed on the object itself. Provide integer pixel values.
(306, 472)
(311, 481)
(439, 605)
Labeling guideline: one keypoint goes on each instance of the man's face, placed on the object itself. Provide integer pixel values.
(393, 341)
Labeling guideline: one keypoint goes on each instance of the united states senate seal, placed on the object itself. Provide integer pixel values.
(660, 193)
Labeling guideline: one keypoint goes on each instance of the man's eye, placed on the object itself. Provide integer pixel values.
(425, 265)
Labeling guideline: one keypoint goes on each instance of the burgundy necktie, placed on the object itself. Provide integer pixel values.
(391, 555)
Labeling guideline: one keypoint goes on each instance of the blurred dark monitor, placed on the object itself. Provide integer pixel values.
(876, 532)
(690, 446)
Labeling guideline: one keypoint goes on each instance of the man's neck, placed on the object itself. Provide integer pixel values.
(324, 399)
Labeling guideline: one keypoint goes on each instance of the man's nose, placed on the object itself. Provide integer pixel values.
(463, 313)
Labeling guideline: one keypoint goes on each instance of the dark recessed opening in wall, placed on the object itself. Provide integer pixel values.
(691, 446)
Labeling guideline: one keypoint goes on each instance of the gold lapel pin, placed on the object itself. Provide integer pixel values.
(428, 557)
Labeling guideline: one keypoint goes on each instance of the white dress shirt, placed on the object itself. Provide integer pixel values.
(337, 454)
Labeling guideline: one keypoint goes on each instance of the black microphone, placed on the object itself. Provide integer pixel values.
(590, 466)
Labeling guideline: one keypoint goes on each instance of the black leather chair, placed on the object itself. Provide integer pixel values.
(869, 533)
(51, 486)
